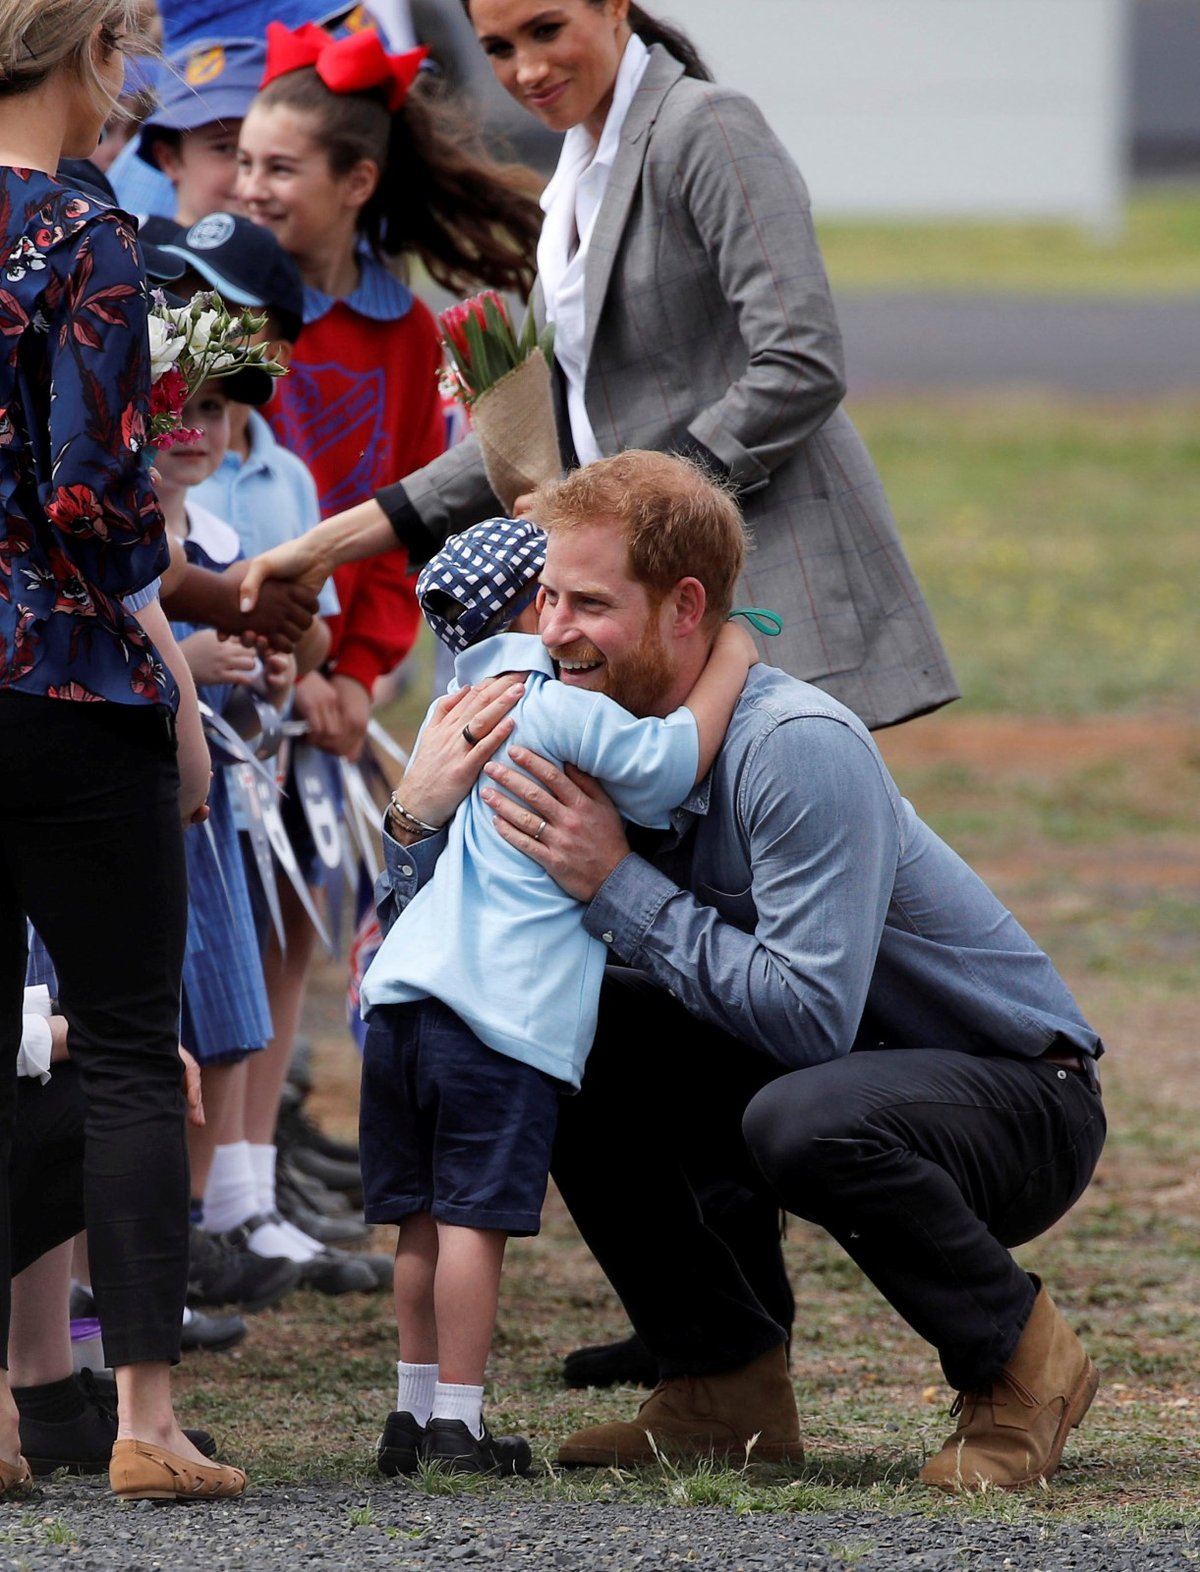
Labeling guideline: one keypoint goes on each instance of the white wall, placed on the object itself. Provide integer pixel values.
(926, 108)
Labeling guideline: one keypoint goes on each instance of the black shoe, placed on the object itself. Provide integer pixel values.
(338, 1272)
(383, 1268)
(210, 1332)
(335, 1175)
(296, 1129)
(627, 1363)
(449, 1445)
(292, 1192)
(222, 1271)
(82, 1444)
(314, 1193)
(401, 1447)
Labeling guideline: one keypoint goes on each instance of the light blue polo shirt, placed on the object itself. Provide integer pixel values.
(269, 498)
(491, 935)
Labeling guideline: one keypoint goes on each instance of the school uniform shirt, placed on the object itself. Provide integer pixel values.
(360, 406)
(491, 935)
(269, 497)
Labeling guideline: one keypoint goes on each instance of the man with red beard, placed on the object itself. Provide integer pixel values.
(810, 999)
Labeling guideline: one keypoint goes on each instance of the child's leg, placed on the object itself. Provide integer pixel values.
(416, 1266)
(417, 1366)
(466, 1293)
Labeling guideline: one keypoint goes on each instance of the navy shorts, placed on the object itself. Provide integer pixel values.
(449, 1126)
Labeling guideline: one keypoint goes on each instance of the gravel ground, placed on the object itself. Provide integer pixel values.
(77, 1524)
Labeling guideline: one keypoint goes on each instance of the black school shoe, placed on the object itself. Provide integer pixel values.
(401, 1447)
(82, 1444)
(449, 1445)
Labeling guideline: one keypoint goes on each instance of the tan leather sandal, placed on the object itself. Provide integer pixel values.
(15, 1478)
(141, 1471)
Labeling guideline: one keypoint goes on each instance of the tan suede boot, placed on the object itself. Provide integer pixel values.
(745, 1413)
(1013, 1432)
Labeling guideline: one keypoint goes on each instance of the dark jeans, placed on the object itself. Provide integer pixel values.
(91, 850)
(925, 1166)
(650, 1161)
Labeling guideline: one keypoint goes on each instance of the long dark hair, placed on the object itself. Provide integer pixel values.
(673, 40)
(651, 31)
(440, 197)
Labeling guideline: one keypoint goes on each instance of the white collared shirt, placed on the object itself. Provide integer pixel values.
(571, 202)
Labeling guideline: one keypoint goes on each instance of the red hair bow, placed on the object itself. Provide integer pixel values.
(354, 64)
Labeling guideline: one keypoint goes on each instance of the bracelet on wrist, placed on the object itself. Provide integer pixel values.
(410, 821)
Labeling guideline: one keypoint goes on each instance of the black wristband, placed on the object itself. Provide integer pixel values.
(411, 530)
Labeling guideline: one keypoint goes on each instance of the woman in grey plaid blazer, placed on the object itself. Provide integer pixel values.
(707, 328)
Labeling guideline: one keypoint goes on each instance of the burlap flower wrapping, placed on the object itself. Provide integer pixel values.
(514, 421)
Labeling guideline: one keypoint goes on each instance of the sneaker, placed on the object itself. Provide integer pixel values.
(450, 1446)
(401, 1447)
(222, 1271)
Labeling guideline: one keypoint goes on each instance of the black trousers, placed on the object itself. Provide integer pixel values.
(924, 1166)
(91, 850)
(46, 1169)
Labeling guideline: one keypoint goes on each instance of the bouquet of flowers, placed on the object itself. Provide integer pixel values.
(189, 344)
(504, 380)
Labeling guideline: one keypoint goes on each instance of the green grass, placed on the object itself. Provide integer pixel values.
(1157, 252)
(1056, 541)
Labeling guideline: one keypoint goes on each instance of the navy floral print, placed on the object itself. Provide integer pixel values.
(80, 526)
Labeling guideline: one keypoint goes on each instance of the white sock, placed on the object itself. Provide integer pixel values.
(414, 1390)
(281, 1238)
(262, 1165)
(300, 1240)
(231, 1194)
(459, 1402)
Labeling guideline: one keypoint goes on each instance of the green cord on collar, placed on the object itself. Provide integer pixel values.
(768, 623)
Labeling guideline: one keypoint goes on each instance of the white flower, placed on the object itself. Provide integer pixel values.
(201, 331)
(166, 345)
(224, 362)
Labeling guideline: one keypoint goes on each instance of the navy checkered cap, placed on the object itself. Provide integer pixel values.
(478, 576)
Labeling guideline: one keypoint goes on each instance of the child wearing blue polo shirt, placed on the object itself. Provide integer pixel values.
(481, 1002)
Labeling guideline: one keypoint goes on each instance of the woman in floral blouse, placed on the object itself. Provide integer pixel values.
(90, 834)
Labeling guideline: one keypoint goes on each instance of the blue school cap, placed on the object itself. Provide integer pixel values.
(212, 79)
(481, 580)
(245, 264)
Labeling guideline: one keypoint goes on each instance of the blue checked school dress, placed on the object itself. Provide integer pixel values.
(225, 1012)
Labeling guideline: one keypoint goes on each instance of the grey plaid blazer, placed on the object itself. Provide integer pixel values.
(709, 318)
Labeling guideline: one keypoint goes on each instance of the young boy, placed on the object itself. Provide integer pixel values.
(481, 1003)
(183, 164)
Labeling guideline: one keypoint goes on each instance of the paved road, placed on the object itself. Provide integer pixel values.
(76, 1526)
(1107, 347)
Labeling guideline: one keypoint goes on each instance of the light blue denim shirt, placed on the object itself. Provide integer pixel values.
(269, 498)
(490, 934)
(800, 904)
